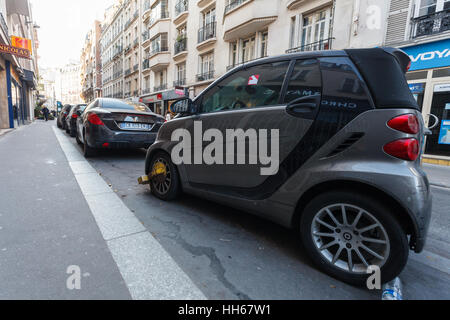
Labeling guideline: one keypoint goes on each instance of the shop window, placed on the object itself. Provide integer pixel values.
(439, 142)
(416, 75)
(440, 73)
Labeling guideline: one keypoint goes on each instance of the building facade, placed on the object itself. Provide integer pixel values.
(422, 29)
(160, 50)
(18, 76)
(69, 83)
(91, 66)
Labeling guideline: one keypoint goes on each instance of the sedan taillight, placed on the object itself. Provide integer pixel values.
(95, 119)
(74, 116)
(405, 149)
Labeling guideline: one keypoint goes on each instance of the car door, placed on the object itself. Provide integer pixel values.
(254, 100)
(82, 119)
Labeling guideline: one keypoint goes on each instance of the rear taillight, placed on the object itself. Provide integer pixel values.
(405, 149)
(95, 120)
(407, 123)
(74, 116)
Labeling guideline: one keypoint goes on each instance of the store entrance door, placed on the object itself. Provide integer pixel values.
(439, 142)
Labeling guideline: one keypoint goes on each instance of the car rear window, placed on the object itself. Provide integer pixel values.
(125, 105)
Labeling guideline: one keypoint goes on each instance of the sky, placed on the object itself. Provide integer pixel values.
(63, 27)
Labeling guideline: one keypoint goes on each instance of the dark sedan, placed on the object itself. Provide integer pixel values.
(116, 124)
(71, 119)
(61, 121)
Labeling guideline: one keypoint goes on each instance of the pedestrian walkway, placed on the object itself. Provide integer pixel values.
(46, 225)
(439, 176)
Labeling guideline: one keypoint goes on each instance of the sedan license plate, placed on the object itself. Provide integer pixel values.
(134, 126)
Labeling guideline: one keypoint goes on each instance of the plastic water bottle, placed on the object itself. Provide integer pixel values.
(393, 290)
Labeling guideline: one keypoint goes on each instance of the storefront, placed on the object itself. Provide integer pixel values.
(429, 81)
(160, 103)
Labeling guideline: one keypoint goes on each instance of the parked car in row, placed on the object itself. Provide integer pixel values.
(115, 124)
(71, 119)
(61, 120)
(351, 135)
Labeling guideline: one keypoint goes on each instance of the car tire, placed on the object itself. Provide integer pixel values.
(72, 133)
(165, 187)
(67, 130)
(77, 138)
(317, 235)
(88, 152)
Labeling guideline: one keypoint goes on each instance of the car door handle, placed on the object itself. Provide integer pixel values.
(303, 105)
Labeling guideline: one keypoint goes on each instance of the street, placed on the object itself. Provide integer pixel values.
(46, 225)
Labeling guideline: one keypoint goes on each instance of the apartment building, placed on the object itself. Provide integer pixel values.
(422, 29)
(69, 83)
(91, 66)
(162, 50)
(18, 76)
(121, 54)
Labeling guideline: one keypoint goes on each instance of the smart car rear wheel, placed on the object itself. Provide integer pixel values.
(345, 233)
(165, 183)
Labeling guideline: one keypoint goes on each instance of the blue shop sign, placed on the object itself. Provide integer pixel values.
(429, 55)
(417, 88)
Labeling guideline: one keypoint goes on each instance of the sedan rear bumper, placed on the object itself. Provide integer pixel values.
(102, 137)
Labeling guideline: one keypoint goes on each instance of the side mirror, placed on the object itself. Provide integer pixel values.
(185, 106)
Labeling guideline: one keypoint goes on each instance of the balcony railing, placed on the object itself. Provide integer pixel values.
(181, 6)
(4, 25)
(135, 67)
(205, 76)
(147, 5)
(135, 93)
(127, 72)
(314, 46)
(146, 64)
(146, 91)
(163, 15)
(232, 66)
(207, 32)
(233, 4)
(431, 24)
(117, 74)
(180, 46)
(145, 36)
(160, 88)
(158, 50)
(179, 82)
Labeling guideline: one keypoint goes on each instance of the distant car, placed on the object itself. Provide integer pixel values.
(71, 119)
(61, 121)
(115, 124)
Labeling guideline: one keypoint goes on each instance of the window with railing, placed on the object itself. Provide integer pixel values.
(315, 32)
(206, 67)
(180, 75)
(180, 45)
(430, 17)
(208, 31)
(159, 11)
(231, 4)
(181, 6)
(159, 44)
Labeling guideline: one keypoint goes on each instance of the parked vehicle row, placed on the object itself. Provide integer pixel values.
(349, 181)
(110, 124)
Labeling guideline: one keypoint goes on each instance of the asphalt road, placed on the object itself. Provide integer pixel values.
(230, 254)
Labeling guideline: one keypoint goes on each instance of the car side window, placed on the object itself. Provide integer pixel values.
(257, 86)
(306, 80)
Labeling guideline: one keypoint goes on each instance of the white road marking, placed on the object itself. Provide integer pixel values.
(148, 270)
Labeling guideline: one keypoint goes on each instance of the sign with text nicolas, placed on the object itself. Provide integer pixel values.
(19, 52)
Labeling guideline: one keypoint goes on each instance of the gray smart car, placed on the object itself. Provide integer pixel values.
(327, 143)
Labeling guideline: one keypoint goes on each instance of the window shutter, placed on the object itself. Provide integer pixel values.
(398, 22)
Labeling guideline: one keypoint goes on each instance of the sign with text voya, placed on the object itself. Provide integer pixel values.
(429, 55)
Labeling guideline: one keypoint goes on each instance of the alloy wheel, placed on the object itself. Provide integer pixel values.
(162, 176)
(350, 238)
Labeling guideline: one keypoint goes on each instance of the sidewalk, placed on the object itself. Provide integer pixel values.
(439, 176)
(46, 225)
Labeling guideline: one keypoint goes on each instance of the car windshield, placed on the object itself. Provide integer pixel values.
(127, 105)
